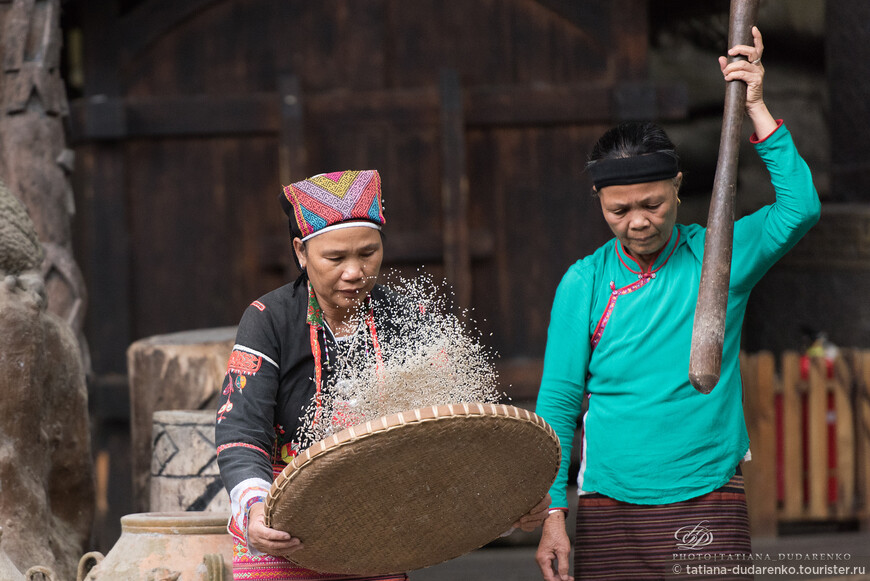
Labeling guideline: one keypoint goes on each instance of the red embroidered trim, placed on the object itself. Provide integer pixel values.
(259, 306)
(379, 358)
(614, 294)
(755, 139)
(318, 373)
(664, 262)
(240, 445)
(242, 362)
(315, 351)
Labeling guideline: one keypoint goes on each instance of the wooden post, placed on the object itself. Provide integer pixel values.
(454, 189)
(105, 208)
(759, 373)
(792, 437)
(292, 156)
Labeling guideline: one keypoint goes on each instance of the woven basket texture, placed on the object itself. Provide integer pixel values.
(413, 489)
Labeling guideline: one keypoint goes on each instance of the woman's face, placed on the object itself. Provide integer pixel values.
(642, 216)
(342, 265)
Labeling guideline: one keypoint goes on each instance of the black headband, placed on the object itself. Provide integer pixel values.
(639, 169)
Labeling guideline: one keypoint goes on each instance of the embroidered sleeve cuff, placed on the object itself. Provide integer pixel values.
(242, 497)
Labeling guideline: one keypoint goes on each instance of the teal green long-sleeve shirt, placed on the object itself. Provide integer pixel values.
(621, 338)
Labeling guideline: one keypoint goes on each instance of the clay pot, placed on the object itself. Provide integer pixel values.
(165, 546)
(9, 572)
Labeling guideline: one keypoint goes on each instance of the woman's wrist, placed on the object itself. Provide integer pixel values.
(763, 122)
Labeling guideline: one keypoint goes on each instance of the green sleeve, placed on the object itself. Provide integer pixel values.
(763, 237)
(566, 363)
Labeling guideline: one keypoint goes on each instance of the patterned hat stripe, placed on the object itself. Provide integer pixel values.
(327, 182)
(374, 212)
(324, 210)
(323, 214)
(314, 220)
(343, 204)
(363, 207)
(290, 194)
(336, 175)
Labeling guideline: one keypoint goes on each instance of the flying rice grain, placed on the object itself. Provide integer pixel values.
(434, 357)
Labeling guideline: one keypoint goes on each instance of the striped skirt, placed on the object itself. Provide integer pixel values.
(702, 538)
(269, 568)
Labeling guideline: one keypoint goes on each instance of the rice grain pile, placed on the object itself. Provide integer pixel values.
(430, 356)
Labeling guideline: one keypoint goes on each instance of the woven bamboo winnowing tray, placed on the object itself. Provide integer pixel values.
(413, 489)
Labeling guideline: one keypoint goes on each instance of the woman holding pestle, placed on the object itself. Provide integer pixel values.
(660, 469)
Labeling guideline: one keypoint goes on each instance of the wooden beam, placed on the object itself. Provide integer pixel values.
(106, 117)
(537, 105)
(101, 117)
(454, 189)
(400, 107)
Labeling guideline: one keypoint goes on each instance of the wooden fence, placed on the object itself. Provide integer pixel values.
(809, 426)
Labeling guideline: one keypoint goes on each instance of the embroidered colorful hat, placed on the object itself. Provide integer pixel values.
(334, 200)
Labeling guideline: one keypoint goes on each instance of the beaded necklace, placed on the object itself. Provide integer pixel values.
(317, 326)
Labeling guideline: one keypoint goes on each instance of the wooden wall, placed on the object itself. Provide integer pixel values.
(194, 113)
(479, 116)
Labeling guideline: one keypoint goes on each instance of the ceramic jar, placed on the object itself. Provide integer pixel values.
(165, 546)
(184, 468)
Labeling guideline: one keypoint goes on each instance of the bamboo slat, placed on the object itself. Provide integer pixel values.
(817, 446)
(845, 439)
(862, 432)
(760, 474)
(792, 436)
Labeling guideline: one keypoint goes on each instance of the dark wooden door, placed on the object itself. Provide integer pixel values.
(478, 114)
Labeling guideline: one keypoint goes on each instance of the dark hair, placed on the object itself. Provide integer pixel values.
(630, 139)
(295, 233)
